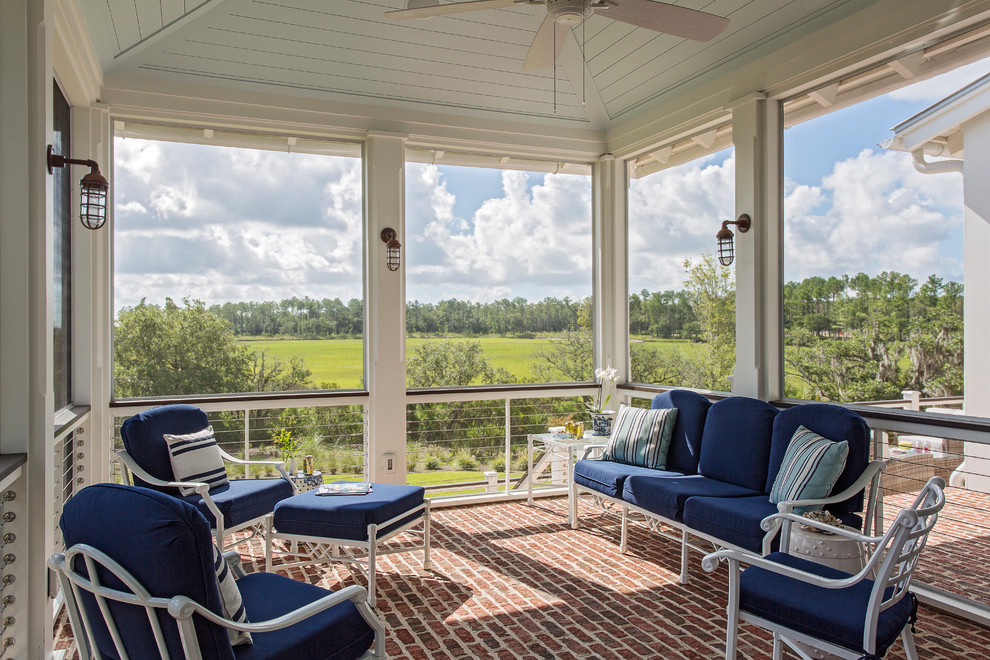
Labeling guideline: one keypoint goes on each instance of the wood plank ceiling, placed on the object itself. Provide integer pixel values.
(469, 63)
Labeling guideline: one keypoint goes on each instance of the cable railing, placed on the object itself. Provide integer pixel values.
(470, 444)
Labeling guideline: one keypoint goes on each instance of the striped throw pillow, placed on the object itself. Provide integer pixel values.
(230, 599)
(812, 464)
(641, 437)
(196, 457)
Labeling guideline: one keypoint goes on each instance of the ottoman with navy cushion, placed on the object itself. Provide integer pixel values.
(350, 528)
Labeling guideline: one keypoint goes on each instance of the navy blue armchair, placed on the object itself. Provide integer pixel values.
(139, 581)
(237, 505)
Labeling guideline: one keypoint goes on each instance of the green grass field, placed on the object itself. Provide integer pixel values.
(340, 360)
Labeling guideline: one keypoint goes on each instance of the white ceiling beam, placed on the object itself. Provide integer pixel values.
(825, 96)
(662, 155)
(908, 66)
(705, 140)
(166, 30)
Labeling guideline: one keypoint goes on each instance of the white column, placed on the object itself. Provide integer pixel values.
(26, 414)
(610, 276)
(756, 133)
(976, 305)
(385, 306)
(92, 300)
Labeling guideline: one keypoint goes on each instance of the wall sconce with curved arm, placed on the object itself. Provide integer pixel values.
(726, 249)
(392, 246)
(92, 189)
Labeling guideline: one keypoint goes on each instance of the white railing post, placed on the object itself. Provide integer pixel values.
(247, 441)
(508, 441)
(491, 481)
(912, 399)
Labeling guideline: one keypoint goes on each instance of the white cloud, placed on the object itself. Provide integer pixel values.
(673, 216)
(938, 87)
(222, 224)
(877, 213)
(130, 207)
(532, 241)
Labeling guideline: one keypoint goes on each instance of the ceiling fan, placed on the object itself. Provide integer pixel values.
(562, 15)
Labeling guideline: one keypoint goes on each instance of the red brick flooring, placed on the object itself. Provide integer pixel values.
(513, 581)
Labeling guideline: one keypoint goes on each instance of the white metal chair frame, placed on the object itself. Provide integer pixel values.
(321, 549)
(892, 562)
(256, 525)
(181, 608)
(659, 524)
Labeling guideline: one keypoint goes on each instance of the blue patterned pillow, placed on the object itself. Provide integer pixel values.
(812, 464)
(641, 437)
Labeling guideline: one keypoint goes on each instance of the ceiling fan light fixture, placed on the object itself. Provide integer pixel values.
(568, 12)
(419, 4)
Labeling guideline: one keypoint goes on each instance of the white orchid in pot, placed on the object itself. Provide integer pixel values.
(601, 419)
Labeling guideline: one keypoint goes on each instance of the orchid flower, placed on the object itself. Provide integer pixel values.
(606, 375)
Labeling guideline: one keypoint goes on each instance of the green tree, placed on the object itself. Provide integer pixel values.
(170, 350)
(711, 290)
(445, 363)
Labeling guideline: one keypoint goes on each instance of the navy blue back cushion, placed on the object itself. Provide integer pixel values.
(685, 443)
(165, 544)
(735, 447)
(143, 437)
(835, 423)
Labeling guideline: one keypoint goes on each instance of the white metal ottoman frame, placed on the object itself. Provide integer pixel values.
(321, 549)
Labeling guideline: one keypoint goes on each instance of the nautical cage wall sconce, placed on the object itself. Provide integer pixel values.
(92, 189)
(726, 250)
(392, 246)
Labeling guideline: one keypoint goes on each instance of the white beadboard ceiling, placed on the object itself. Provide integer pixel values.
(469, 63)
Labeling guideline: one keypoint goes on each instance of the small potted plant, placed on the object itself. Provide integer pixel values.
(288, 447)
(601, 419)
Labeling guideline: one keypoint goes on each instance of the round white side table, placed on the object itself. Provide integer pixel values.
(828, 549)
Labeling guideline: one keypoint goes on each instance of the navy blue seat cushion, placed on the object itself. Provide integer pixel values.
(835, 423)
(665, 496)
(607, 477)
(735, 520)
(347, 516)
(143, 436)
(735, 447)
(242, 500)
(165, 544)
(338, 633)
(834, 615)
(685, 443)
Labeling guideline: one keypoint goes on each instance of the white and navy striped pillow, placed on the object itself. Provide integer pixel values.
(641, 437)
(230, 599)
(196, 457)
(812, 464)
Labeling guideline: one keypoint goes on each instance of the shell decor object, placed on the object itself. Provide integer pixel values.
(822, 517)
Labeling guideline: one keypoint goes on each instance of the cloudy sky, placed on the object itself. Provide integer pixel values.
(223, 224)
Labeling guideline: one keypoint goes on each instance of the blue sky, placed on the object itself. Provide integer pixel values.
(186, 225)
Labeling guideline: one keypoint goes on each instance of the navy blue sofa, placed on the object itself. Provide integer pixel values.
(721, 465)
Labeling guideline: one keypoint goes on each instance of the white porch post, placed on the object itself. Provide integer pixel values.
(26, 407)
(92, 300)
(976, 306)
(610, 285)
(756, 133)
(385, 307)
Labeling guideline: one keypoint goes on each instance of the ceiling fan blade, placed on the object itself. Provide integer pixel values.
(450, 8)
(546, 48)
(669, 19)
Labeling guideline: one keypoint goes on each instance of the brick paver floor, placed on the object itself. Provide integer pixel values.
(514, 581)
